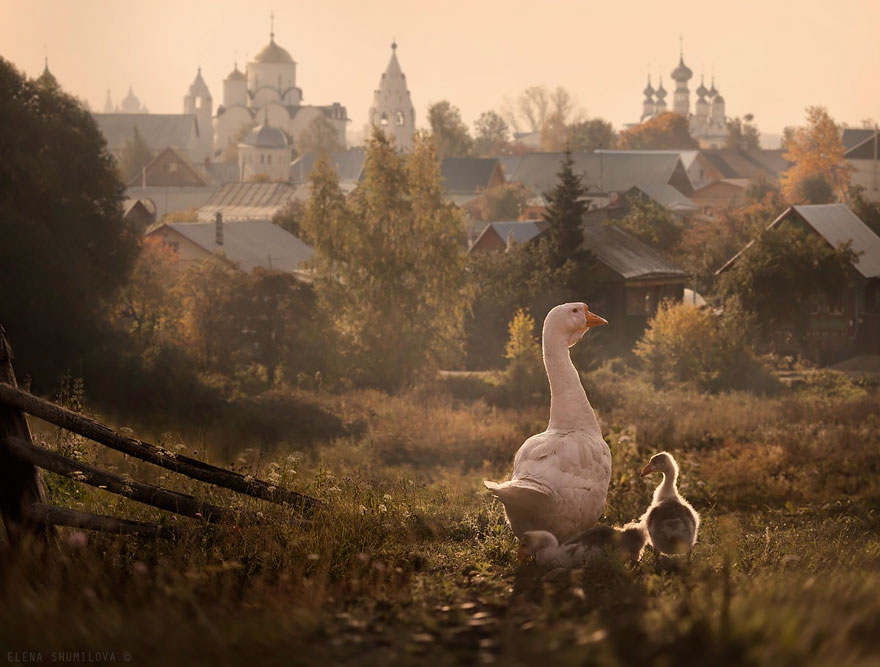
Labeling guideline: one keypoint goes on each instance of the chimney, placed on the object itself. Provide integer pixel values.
(218, 228)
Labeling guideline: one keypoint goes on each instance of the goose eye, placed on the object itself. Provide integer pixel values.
(574, 310)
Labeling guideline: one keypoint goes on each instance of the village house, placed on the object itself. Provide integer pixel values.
(863, 154)
(849, 324)
(246, 244)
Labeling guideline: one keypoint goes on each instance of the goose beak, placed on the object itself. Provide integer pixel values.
(593, 320)
(647, 470)
(522, 554)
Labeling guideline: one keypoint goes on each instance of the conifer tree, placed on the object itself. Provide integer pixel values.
(565, 211)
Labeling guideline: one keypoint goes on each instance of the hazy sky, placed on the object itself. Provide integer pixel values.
(770, 57)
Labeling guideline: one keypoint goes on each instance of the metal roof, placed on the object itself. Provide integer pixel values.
(349, 165)
(247, 201)
(158, 130)
(249, 243)
(838, 224)
(667, 196)
(624, 254)
(853, 136)
(738, 163)
(466, 174)
(600, 171)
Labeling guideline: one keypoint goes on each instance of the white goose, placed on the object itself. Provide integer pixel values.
(560, 477)
(671, 522)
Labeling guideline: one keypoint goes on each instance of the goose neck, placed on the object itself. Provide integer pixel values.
(667, 488)
(569, 407)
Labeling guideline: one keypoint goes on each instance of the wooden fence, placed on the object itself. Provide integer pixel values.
(23, 503)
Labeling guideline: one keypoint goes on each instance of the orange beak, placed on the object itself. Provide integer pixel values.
(522, 554)
(593, 320)
(647, 470)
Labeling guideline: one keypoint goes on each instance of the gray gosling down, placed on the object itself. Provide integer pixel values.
(671, 522)
(627, 542)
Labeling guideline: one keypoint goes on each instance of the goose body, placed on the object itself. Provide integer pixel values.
(597, 542)
(560, 477)
(672, 524)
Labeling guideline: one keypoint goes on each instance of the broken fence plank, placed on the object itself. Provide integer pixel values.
(62, 516)
(145, 451)
(165, 499)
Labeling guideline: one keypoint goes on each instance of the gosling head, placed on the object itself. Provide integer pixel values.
(573, 320)
(533, 542)
(662, 462)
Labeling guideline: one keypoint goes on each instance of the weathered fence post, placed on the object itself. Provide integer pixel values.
(21, 484)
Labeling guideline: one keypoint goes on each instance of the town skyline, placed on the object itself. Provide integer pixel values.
(760, 66)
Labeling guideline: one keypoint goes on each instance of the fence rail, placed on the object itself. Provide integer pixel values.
(23, 502)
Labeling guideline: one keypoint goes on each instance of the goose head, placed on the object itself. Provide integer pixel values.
(572, 320)
(534, 541)
(662, 462)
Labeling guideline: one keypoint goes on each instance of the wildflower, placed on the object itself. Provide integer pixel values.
(382, 508)
(199, 515)
(387, 496)
(363, 509)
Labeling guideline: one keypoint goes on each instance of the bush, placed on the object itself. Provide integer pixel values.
(525, 376)
(687, 344)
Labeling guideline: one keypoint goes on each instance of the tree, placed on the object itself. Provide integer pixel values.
(212, 294)
(136, 154)
(816, 150)
(64, 248)
(655, 225)
(491, 134)
(566, 205)
(743, 133)
(449, 131)
(666, 131)
(147, 305)
(536, 104)
(290, 218)
(591, 135)
(503, 202)
(276, 309)
(319, 136)
(687, 344)
(814, 189)
(782, 272)
(525, 371)
(389, 263)
(867, 211)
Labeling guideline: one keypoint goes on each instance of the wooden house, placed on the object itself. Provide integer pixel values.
(849, 324)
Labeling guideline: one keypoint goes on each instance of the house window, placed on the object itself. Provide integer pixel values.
(262, 158)
(172, 167)
(399, 118)
(269, 159)
(384, 121)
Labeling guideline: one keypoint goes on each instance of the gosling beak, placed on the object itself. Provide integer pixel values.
(522, 554)
(593, 320)
(647, 470)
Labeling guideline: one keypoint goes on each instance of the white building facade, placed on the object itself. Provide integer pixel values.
(266, 94)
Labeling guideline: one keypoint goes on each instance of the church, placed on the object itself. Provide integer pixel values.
(264, 94)
(708, 122)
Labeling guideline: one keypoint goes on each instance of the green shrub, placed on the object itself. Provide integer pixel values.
(714, 352)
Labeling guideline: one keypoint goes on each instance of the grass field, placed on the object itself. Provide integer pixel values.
(409, 561)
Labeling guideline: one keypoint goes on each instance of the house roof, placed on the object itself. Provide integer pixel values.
(158, 130)
(349, 165)
(861, 144)
(248, 243)
(247, 201)
(837, 224)
(667, 196)
(467, 174)
(518, 230)
(600, 171)
(738, 163)
(624, 254)
(854, 136)
(170, 156)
